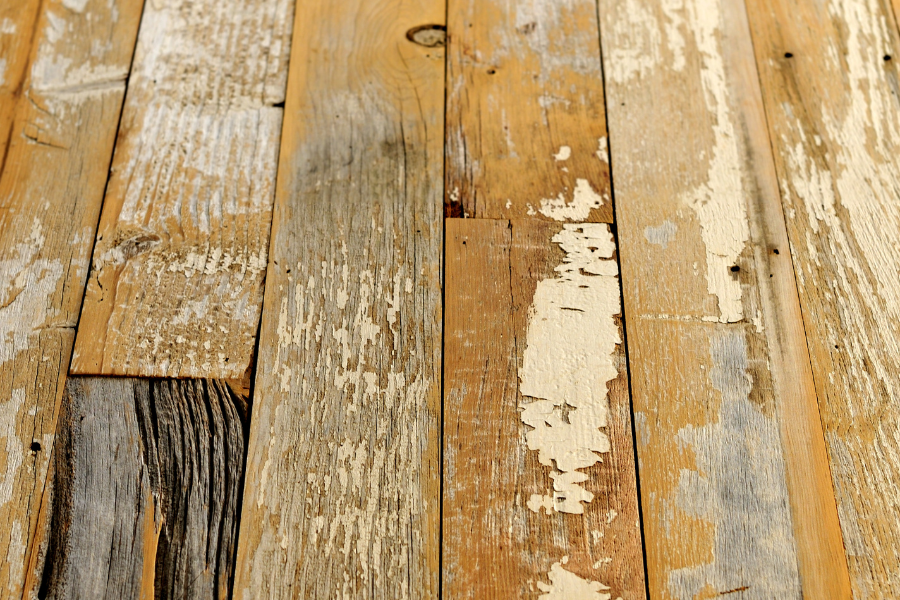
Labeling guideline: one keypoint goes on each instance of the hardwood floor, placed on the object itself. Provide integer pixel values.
(551, 299)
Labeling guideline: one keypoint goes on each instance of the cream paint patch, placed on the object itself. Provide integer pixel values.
(565, 585)
(635, 41)
(719, 202)
(7, 27)
(2, 71)
(603, 150)
(584, 199)
(568, 362)
(75, 5)
(662, 234)
(564, 153)
(13, 451)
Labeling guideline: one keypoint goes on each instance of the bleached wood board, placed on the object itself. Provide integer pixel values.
(531, 308)
(177, 277)
(526, 128)
(342, 494)
(64, 121)
(834, 119)
(736, 491)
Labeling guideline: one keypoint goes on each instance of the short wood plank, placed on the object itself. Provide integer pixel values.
(830, 80)
(148, 476)
(63, 115)
(177, 278)
(737, 495)
(501, 537)
(526, 127)
(342, 495)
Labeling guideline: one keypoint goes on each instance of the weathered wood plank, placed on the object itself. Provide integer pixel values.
(177, 277)
(736, 492)
(342, 495)
(18, 22)
(830, 80)
(526, 128)
(64, 114)
(539, 478)
(148, 477)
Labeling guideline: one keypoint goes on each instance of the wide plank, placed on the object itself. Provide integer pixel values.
(736, 493)
(540, 493)
(63, 113)
(342, 494)
(526, 127)
(830, 80)
(177, 277)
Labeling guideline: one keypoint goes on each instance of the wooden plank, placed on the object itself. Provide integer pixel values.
(177, 277)
(540, 493)
(18, 22)
(735, 487)
(51, 188)
(526, 128)
(342, 495)
(148, 476)
(833, 116)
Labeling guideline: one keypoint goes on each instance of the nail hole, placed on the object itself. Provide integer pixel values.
(887, 57)
(836, 347)
(788, 55)
(735, 269)
(430, 36)
(775, 251)
(491, 71)
(35, 446)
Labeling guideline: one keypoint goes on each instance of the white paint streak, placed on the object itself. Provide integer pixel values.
(75, 5)
(565, 585)
(13, 451)
(635, 43)
(662, 234)
(568, 362)
(603, 150)
(584, 199)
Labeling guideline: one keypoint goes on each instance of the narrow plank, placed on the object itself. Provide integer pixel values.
(342, 495)
(540, 490)
(18, 21)
(147, 482)
(526, 128)
(833, 115)
(735, 487)
(64, 115)
(177, 278)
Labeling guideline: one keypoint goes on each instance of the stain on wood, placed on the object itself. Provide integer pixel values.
(736, 493)
(539, 476)
(526, 127)
(177, 277)
(342, 495)
(833, 118)
(147, 484)
(59, 109)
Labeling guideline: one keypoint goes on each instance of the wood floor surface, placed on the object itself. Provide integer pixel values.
(460, 299)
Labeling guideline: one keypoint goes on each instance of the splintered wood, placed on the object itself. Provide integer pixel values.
(526, 128)
(60, 97)
(176, 283)
(736, 493)
(342, 494)
(539, 481)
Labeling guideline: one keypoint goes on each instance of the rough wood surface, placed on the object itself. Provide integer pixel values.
(17, 36)
(177, 278)
(830, 78)
(526, 129)
(148, 477)
(736, 491)
(342, 495)
(534, 363)
(63, 114)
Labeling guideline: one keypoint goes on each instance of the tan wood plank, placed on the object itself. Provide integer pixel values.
(18, 21)
(736, 492)
(342, 494)
(834, 118)
(177, 278)
(146, 491)
(526, 128)
(536, 400)
(64, 121)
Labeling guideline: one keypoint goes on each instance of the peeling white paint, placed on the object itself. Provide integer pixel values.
(603, 150)
(635, 43)
(662, 234)
(75, 5)
(12, 446)
(584, 199)
(568, 362)
(564, 153)
(565, 585)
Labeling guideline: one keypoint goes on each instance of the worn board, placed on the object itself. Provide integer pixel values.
(342, 495)
(830, 78)
(526, 128)
(177, 277)
(64, 118)
(18, 26)
(540, 493)
(736, 491)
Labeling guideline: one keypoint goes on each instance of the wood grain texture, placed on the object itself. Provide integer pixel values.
(148, 477)
(177, 278)
(526, 128)
(18, 22)
(342, 495)
(736, 491)
(63, 116)
(834, 118)
(497, 542)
